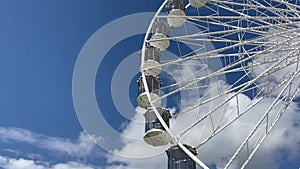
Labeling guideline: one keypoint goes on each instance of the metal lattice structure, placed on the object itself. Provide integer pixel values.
(257, 42)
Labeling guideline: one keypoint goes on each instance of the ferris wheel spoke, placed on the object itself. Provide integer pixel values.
(257, 99)
(271, 18)
(239, 13)
(221, 38)
(292, 6)
(279, 98)
(195, 158)
(252, 6)
(234, 95)
(202, 101)
(227, 69)
(212, 52)
(270, 72)
(269, 130)
(203, 18)
(256, 43)
(284, 17)
(252, 66)
(230, 25)
(239, 114)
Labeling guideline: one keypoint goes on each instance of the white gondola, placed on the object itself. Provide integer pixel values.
(178, 159)
(176, 17)
(155, 133)
(154, 84)
(198, 3)
(152, 59)
(159, 39)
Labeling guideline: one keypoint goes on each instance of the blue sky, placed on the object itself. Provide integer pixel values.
(39, 44)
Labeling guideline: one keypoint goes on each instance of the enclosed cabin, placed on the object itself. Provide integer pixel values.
(155, 133)
(175, 9)
(154, 85)
(198, 3)
(178, 159)
(160, 32)
(151, 61)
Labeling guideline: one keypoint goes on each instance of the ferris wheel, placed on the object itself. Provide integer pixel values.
(224, 67)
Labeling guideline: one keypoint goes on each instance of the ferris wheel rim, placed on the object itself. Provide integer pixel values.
(175, 139)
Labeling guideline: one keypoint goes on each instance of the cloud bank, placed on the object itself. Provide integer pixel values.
(82, 147)
(13, 163)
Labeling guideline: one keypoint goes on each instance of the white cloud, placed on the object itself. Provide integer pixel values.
(21, 164)
(116, 167)
(72, 165)
(285, 136)
(82, 147)
(3, 160)
(136, 154)
(13, 163)
(223, 145)
(288, 48)
(17, 134)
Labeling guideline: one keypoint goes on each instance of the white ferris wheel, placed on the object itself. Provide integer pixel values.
(218, 63)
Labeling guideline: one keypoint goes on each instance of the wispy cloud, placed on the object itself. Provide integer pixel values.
(21, 163)
(81, 147)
